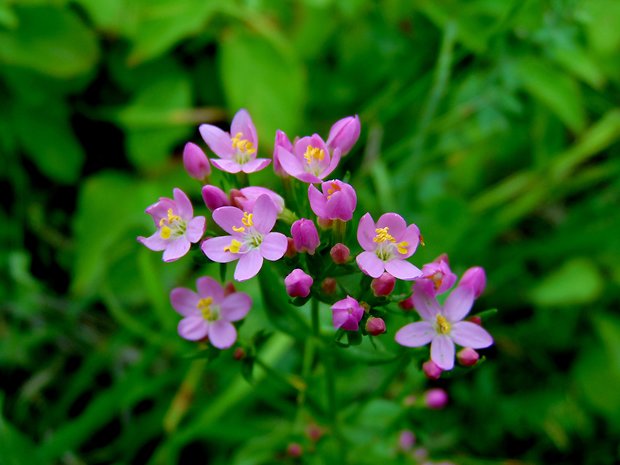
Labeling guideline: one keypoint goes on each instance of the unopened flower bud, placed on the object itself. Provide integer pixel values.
(475, 319)
(214, 197)
(290, 248)
(383, 285)
(294, 449)
(406, 440)
(328, 286)
(436, 398)
(475, 278)
(314, 432)
(467, 357)
(305, 236)
(239, 353)
(343, 134)
(246, 198)
(431, 370)
(375, 326)
(196, 162)
(340, 254)
(298, 283)
(406, 304)
(229, 288)
(282, 141)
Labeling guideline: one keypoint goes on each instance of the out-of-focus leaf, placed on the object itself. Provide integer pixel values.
(603, 17)
(8, 18)
(51, 40)
(266, 80)
(110, 15)
(15, 447)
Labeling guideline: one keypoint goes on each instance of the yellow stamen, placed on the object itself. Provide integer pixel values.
(243, 145)
(402, 247)
(383, 235)
(165, 232)
(238, 229)
(313, 153)
(333, 189)
(443, 327)
(171, 217)
(247, 219)
(437, 279)
(204, 305)
(234, 246)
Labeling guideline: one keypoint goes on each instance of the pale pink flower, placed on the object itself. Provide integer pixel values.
(437, 277)
(337, 201)
(310, 160)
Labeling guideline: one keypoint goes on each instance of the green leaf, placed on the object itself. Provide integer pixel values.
(50, 40)
(15, 447)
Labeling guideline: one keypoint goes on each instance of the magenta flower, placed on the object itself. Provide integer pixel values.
(209, 313)
(237, 150)
(443, 326)
(250, 240)
(283, 141)
(437, 277)
(177, 228)
(305, 236)
(347, 313)
(387, 245)
(310, 159)
(214, 197)
(196, 162)
(298, 283)
(344, 134)
(337, 202)
(246, 198)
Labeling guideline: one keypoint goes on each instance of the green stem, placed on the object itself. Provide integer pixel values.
(184, 396)
(315, 317)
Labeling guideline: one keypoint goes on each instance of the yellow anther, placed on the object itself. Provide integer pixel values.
(165, 232)
(313, 153)
(234, 246)
(402, 247)
(247, 219)
(238, 229)
(443, 327)
(437, 279)
(243, 145)
(204, 306)
(383, 235)
(332, 190)
(171, 217)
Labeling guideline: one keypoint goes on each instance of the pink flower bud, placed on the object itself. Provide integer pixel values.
(406, 304)
(467, 357)
(294, 449)
(375, 326)
(290, 248)
(314, 432)
(229, 288)
(383, 285)
(436, 398)
(431, 370)
(344, 134)
(436, 277)
(282, 141)
(196, 162)
(340, 254)
(305, 236)
(214, 197)
(298, 283)
(328, 286)
(406, 440)
(475, 319)
(239, 353)
(347, 313)
(476, 279)
(336, 200)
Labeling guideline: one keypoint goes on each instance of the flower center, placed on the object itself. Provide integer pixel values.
(172, 225)
(244, 148)
(387, 244)
(437, 279)
(442, 325)
(313, 156)
(251, 238)
(332, 190)
(204, 307)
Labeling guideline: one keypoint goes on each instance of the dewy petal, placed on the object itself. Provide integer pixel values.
(442, 352)
(195, 229)
(227, 218)
(370, 264)
(209, 287)
(468, 334)
(184, 301)
(249, 265)
(214, 249)
(273, 246)
(317, 202)
(425, 304)
(222, 334)
(402, 269)
(291, 164)
(243, 123)
(217, 140)
(412, 237)
(255, 165)
(395, 223)
(458, 304)
(235, 306)
(230, 166)
(154, 242)
(176, 249)
(193, 328)
(184, 207)
(415, 334)
(265, 214)
(366, 232)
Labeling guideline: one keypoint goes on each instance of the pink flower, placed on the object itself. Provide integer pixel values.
(344, 134)
(298, 283)
(443, 326)
(214, 197)
(237, 151)
(209, 313)
(196, 162)
(437, 277)
(347, 313)
(250, 240)
(281, 141)
(246, 197)
(310, 160)
(387, 245)
(305, 236)
(176, 226)
(337, 202)
(474, 278)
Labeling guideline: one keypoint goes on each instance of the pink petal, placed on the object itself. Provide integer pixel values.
(273, 246)
(442, 352)
(214, 249)
(366, 232)
(308, 177)
(193, 328)
(265, 214)
(415, 334)
(195, 229)
(412, 237)
(230, 166)
(339, 318)
(468, 334)
(184, 301)
(222, 334)
(235, 306)
(333, 163)
(154, 242)
(184, 206)
(217, 140)
(160, 209)
(176, 249)
(249, 265)
(209, 287)
(255, 165)
(425, 304)
(227, 218)
(243, 123)
(458, 304)
(395, 223)
(291, 164)
(402, 269)
(370, 264)
(317, 202)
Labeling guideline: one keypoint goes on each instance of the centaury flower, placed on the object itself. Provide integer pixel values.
(347, 313)
(337, 201)
(310, 160)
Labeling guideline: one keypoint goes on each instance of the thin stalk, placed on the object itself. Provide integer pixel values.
(184, 396)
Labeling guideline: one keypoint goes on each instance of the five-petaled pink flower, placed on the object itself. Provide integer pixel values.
(387, 245)
(250, 239)
(177, 228)
(237, 150)
(347, 313)
(443, 326)
(336, 202)
(310, 160)
(209, 313)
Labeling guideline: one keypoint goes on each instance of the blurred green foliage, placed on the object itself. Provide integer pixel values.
(493, 125)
